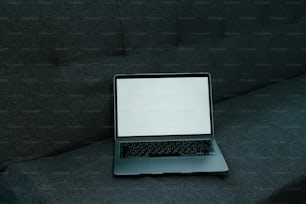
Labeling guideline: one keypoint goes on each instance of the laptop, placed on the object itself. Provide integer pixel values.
(164, 124)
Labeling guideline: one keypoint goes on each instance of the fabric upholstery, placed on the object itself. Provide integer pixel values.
(200, 21)
(54, 109)
(264, 152)
(57, 31)
(148, 25)
(57, 59)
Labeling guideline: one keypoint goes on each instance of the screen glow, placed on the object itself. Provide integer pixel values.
(163, 106)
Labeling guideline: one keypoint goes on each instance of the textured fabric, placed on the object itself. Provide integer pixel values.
(51, 109)
(233, 70)
(200, 21)
(58, 31)
(148, 25)
(254, 132)
(57, 59)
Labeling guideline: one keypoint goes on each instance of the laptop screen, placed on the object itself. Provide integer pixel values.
(163, 106)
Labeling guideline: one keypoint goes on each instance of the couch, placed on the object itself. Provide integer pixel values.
(57, 59)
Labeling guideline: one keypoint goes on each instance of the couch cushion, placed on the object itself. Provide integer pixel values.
(58, 31)
(264, 157)
(234, 68)
(49, 109)
(148, 25)
(52, 94)
(200, 21)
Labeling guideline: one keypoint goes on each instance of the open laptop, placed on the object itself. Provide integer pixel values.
(164, 124)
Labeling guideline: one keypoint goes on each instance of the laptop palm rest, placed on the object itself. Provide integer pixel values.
(153, 165)
(169, 165)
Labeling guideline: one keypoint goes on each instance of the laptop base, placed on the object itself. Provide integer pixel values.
(165, 165)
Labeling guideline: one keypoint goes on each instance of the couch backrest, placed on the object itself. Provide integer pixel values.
(148, 25)
(57, 59)
(58, 31)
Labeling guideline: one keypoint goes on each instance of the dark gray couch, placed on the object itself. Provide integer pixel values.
(57, 59)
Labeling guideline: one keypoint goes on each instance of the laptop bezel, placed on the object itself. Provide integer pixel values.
(162, 75)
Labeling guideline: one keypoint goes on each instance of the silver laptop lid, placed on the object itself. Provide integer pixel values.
(156, 105)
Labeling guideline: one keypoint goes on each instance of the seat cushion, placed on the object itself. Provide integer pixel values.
(260, 133)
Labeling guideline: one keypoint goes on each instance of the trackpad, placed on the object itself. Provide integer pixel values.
(170, 165)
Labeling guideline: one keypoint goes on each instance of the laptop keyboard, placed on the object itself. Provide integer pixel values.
(166, 149)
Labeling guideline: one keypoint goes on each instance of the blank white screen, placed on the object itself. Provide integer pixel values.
(163, 106)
